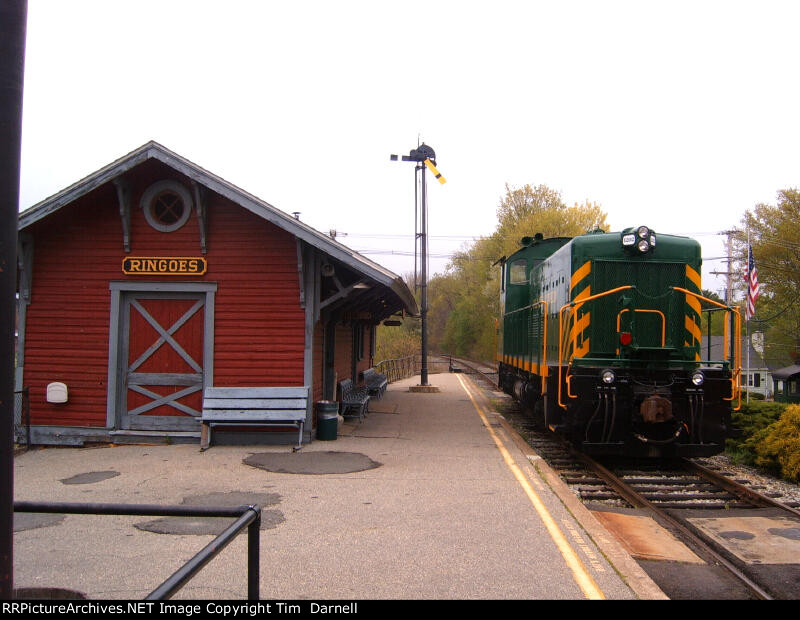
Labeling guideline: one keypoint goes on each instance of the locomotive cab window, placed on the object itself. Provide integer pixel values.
(517, 273)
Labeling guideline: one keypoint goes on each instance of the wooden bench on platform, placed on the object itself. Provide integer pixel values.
(253, 406)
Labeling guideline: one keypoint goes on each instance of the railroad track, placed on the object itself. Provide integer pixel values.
(670, 491)
(674, 484)
(485, 373)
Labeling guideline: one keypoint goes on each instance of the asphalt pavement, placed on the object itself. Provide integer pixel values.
(431, 496)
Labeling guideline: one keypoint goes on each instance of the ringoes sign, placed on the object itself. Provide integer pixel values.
(164, 266)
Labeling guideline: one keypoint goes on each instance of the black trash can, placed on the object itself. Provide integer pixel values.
(327, 419)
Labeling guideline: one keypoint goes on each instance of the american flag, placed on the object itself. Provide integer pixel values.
(751, 278)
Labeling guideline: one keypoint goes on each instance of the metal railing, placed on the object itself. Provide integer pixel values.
(247, 516)
(397, 369)
(405, 367)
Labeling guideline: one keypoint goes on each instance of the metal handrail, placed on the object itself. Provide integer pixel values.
(574, 305)
(248, 516)
(736, 362)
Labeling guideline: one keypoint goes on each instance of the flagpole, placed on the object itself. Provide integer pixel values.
(747, 315)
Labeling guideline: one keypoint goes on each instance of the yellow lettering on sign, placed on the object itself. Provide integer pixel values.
(164, 266)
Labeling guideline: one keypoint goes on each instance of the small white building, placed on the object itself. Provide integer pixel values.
(756, 377)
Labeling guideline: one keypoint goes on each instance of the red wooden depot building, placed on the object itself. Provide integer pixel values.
(152, 279)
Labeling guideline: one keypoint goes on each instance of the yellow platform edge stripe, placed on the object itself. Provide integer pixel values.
(582, 577)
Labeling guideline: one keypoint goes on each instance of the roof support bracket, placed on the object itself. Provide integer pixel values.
(200, 201)
(343, 292)
(124, 198)
(300, 269)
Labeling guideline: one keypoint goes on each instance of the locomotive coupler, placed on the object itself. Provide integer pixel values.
(655, 409)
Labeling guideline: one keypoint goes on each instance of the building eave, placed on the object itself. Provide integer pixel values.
(301, 230)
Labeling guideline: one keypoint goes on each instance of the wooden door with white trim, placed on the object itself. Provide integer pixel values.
(162, 353)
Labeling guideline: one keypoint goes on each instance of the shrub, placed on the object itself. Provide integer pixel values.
(753, 418)
(778, 445)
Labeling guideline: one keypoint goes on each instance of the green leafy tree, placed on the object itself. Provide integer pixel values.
(397, 341)
(528, 210)
(462, 314)
(774, 233)
(464, 301)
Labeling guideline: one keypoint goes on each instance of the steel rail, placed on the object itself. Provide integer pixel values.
(473, 366)
(630, 495)
(734, 488)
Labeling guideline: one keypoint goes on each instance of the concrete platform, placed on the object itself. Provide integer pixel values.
(755, 539)
(431, 496)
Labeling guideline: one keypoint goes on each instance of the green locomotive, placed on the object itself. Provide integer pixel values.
(600, 337)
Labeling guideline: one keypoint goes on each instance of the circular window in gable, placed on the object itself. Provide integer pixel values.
(167, 205)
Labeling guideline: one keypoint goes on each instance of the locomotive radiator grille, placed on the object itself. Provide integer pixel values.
(651, 304)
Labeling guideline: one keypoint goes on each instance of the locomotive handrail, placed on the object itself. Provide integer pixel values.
(543, 366)
(736, 367)
(725, 331)
(528, 307)
(574, 306)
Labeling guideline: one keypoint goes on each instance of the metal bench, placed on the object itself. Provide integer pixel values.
(253, 406)
(353, 399)
(376, 382)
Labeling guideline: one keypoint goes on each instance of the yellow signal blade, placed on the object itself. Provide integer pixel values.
(435, 172)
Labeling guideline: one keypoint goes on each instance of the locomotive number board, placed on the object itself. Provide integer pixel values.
(164, 266)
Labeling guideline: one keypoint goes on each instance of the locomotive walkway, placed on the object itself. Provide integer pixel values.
(431, 496)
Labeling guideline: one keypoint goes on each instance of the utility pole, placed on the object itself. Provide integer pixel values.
(729, 285)
(729, 301)
(729, 272)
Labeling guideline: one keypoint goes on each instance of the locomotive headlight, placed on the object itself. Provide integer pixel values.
(641, 239)
(608, 376)
(698, 378)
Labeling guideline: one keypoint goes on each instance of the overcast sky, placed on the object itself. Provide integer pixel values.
(677, 115)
